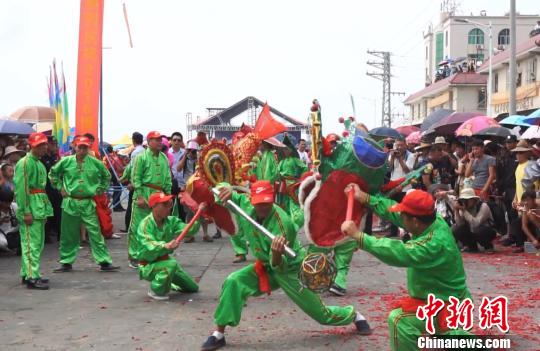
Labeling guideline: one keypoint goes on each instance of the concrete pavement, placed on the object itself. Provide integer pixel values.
(90, 310)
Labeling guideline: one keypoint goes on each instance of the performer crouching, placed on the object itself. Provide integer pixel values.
(272, 270)
(157, 239)
(432, 258)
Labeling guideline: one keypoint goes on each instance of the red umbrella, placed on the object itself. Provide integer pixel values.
(414, 138)
(406, 130)
(476, 124)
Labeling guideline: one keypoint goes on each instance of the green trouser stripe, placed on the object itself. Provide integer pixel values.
(32, 241)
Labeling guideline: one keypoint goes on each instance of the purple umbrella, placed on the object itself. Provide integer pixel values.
(435, 117)
(448, 125)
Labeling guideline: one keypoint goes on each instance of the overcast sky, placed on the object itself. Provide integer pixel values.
(189, 55)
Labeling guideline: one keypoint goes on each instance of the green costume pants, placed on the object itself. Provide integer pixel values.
(163, 274)
(343, 254)
(71, 237)
(244, 283)
(405, 329)
(32, 240)
(137, 215)
(239, 244)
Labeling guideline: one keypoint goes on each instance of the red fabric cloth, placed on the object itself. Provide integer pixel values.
(104, 215)
(264, 281)
(392, 184)
(411, 304)
(325, 225)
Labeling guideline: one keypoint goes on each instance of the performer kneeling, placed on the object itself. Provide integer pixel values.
(432, 258)
(272, 270)
(157, 237)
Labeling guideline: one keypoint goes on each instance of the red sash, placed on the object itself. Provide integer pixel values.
(264, 281)
(104, 215)
(411, 304)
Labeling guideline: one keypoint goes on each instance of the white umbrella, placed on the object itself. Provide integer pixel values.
(531, 133)
(34, 114)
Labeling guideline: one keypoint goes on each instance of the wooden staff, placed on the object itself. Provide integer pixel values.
(189, 225)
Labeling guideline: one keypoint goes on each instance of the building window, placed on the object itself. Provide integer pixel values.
(531, 76)
(476, 37)
(518, 81)
(504, 37)
(482, 99)
(426, 52)
(446, 39)
(496, 83)
(439, 48)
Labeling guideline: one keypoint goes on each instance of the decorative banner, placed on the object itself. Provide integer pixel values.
(89, 68)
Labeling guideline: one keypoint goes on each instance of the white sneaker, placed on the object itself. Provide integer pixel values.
(157, 297)
(116, 236)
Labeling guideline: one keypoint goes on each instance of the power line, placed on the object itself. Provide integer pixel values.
(384, 74)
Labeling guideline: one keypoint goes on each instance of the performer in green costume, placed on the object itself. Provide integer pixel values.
(266, 168)
(157, 240)
(272, 269)
(33, 208)
(150, 174)
(433, 261)
(79, 178)
(290, 169)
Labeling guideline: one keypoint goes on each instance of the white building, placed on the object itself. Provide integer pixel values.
(527, 82)
(454, 38)
(463, 92)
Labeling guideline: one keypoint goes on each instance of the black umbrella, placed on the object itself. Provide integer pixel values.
(493, 132)
(435, 117)
(385, 132)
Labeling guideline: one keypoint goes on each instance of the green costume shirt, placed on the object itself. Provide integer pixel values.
(149, 172)
(152, 239)
(433, 260)
(278, 223)
(79, 180)
(267, 167)
(291, 168)
(31, 175)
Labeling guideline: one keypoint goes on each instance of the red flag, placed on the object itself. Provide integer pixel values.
(267, 126)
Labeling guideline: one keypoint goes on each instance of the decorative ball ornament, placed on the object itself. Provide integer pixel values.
(317, 272)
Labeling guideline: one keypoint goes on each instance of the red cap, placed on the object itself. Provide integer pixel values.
(36, 139)
(416, 203)
(157, 198)
(82, 141)
(153, 135)
(262, 192)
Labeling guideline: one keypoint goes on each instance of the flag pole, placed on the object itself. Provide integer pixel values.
(101, 105)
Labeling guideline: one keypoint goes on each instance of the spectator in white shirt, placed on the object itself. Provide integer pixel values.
(303, 154)
(137, 139)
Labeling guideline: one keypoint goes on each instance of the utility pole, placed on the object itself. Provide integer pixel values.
(513, 70)
(385, 76)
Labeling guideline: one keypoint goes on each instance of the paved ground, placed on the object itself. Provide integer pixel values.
(90, 310)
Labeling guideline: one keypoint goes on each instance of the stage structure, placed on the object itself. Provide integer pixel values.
(219, 122)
